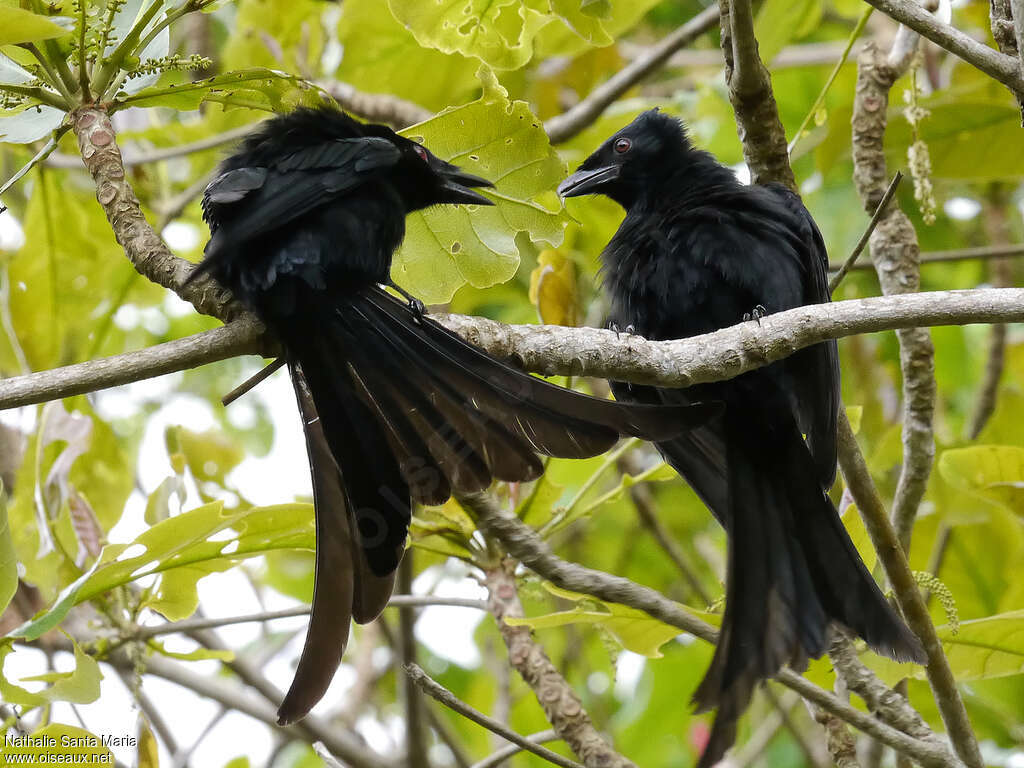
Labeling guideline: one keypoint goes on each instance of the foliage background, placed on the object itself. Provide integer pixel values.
(165, 456)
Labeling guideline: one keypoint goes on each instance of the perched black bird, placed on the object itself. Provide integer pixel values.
(304, 219)
(698, 251)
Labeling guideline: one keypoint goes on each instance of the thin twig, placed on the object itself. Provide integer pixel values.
(446, 697)
(847, 265)
(503, 754)
(563, 127)
(415, 727)
(252, 381)
(981, 253)
(132, 158)
(396, 601)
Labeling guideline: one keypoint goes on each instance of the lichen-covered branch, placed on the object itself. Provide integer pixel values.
(895, 253)
(555, 350)
(750, 91)
(999, 66)
(561, 705)
(97, 143)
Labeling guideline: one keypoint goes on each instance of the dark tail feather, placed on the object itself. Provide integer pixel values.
(396, 410)
(344, 586)
(792, 569)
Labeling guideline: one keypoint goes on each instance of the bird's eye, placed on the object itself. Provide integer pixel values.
(622, 145)
(421, 152)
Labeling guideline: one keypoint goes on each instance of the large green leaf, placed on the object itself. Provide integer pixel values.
(980, 649)
(20, 26)
(503, 141)
(80, 686)
(203, 540)
(498, 32)
(991, 472)
(780, 21)
(395, 63)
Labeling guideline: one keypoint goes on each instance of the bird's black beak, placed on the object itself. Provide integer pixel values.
(586, 181)
(455, 186)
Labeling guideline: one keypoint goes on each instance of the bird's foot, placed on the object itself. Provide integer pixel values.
(629, 330)
(755, 314)
(416, 307)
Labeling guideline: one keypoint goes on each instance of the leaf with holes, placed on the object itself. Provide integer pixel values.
(501, 140)
(202, 539)
(256, 88)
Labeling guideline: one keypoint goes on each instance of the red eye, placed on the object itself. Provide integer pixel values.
(622, 145)
(421, 152)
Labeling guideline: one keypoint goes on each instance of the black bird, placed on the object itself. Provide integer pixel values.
(304, 219)
(698, 251)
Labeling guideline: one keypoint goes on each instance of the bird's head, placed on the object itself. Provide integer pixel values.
(428, 180)
(632, 161)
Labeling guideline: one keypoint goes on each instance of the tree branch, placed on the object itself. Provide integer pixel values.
(377, 107)
(446, 697)
(503, 754)
(563, 127)
(750, 91)
(1003, 68)
(908, 596)
(982, 252)
(526, 546)
(895, 253)
(554, 350)
(561, 705)
(150, 256)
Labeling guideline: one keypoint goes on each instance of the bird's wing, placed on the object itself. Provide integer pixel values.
(816, 369)
(292, 186)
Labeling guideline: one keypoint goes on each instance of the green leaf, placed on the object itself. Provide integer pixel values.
(498, 32)
(584, 19)
(20, 26)
(80, 686)
(256, 88)
(204, 538)
(854, 524)
(991, 472)
(634, 630)
(981, 649)
(209, 455)
(780, 21)
(8, 558)
(148, 754)
(197, 654)
(501, 140)
(395, 63)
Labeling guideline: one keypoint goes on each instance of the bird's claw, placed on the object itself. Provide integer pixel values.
(755, 314)
(629, 330)
(418, 309)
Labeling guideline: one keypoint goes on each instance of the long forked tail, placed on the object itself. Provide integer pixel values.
(792, 570)
(399, 410)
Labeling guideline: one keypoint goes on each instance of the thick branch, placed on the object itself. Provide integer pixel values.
(908, 596)
(1003, 68)
(563, 127)
(750, 91)
(150, 256)
(557, 351)
(561, 705)
(895, 253)
(527, 547)
(377, 107)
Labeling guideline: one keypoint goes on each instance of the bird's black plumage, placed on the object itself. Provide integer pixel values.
(698, 251)
(304, 219)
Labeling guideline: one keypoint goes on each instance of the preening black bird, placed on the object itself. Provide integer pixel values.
(698, 251)
(304, 219)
